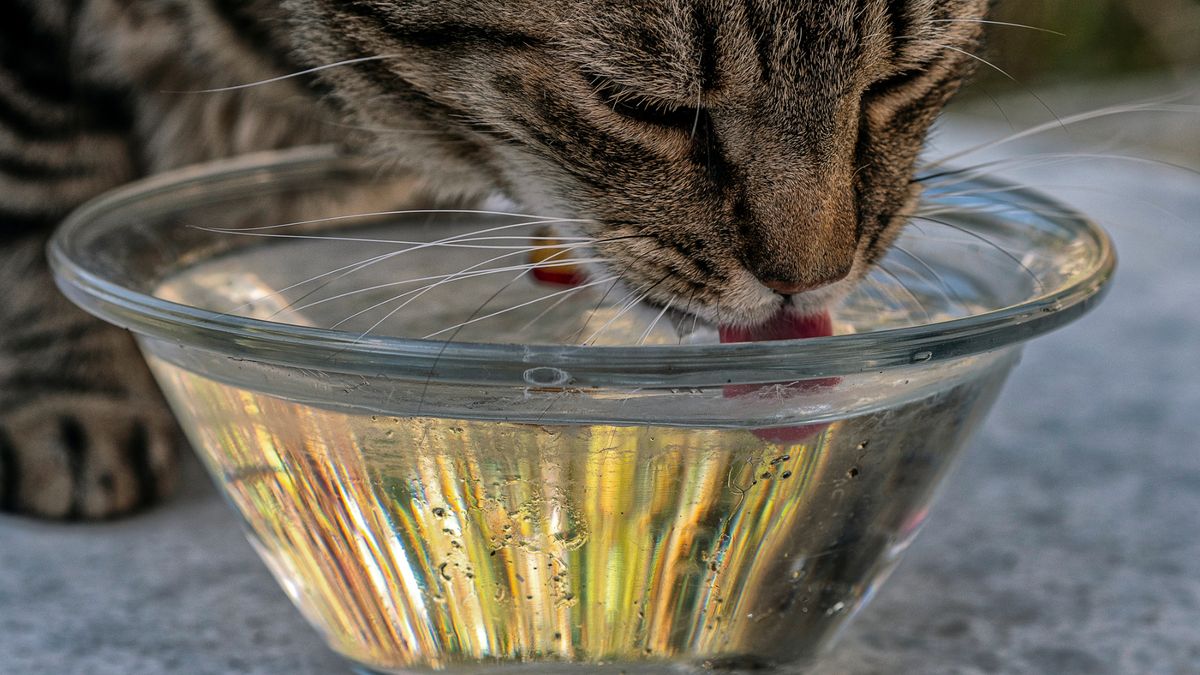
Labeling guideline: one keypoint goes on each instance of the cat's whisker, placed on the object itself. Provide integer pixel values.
(1008, 24)
(1015, 209)
(934, 198)
(421, 292)
(517, 250)
(642, 293)
(536, 220)
(542, 314)
(604, 297)
(946, 289)
(623, 305)
(955, 177)
(375, 260)
(1178, 219)
(549, 259)
(1006, 74)
(456, 276)
(359, 266)
(696, 120)
(904, 287)
(650, 329)
(416, 245)
(1008, 254)
(999, 209)
(883, 294)
(309, 280)
(1049, 159)
(621, 311)
(870, 287)
(446, 280)
(289, 76)
(962, 51)
(446, 343)
(356, 267)
(696, 317)
(573, 289)
(686, 312)
(1160, 105)
(999, 108)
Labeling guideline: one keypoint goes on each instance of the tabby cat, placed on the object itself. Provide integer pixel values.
(763, 150)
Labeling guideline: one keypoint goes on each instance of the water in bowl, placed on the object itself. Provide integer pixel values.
(419, 542)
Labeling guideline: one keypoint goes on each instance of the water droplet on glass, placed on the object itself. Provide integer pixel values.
(546, 376)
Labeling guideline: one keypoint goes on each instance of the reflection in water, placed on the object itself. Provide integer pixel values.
(443, 543)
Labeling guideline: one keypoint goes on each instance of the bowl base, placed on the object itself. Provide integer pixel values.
(735, 665)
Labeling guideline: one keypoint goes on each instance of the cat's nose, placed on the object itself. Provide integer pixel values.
(808, 283)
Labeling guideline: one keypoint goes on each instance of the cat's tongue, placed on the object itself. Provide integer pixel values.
(783, 326)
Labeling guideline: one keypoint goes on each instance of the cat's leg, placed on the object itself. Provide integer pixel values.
(84, 432)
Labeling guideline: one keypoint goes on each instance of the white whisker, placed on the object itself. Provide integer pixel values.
(357, 267)
(309, 280)
(543, 313)
(425, 290)
(537, 220)
(650, 328)
(416, 245)
(1162, 105)
(1001, 23)
(920, 305)
(1041, 160)
(644, 292)
(456, 276)
(1006, 74)
(573, 289)
(622, 311)
(299, 73)
(1041, 287)
(946, 289)
(883, 292)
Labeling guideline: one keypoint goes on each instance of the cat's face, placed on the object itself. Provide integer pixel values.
(742, 156)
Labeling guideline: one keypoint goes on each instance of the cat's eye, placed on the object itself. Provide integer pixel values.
(642, 108)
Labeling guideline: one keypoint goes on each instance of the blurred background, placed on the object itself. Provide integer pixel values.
(1100, 39)
(1068, 56)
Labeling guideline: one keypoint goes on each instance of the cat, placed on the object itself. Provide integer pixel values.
(763, 152)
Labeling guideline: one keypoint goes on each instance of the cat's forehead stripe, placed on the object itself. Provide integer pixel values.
(673, 50)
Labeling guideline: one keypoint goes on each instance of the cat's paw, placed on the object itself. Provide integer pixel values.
(86, 457)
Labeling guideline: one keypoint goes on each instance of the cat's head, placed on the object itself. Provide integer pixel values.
(739, 156)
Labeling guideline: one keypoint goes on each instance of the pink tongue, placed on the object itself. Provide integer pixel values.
(783, 326)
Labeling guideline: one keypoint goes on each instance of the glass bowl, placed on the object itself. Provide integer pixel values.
(485, 472)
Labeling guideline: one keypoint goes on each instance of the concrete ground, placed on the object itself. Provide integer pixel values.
(1067, 542)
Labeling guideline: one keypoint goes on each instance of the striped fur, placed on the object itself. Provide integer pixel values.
(751, 144)
(86, 103)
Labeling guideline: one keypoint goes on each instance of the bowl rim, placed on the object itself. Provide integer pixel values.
(583, 366)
